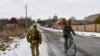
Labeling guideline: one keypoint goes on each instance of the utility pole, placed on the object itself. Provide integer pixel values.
(26, 15)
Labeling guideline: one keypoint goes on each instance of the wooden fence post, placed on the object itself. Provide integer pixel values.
(77, 27)
(95, 27)
(84, 27)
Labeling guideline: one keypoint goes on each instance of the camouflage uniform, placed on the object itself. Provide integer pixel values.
(34, 43)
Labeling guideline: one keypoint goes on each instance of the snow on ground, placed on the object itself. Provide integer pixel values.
(20, 47)
(87, 34)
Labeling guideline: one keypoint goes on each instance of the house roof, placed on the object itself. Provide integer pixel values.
(92, 17)
(61, 21)
(12, 21)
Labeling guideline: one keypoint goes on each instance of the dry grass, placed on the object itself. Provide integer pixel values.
(15, 33)
(5, 37)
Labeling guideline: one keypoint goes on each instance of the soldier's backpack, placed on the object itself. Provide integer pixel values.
(36, 35)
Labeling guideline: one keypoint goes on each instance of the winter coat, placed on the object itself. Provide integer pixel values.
(30, 36)
(67, 31)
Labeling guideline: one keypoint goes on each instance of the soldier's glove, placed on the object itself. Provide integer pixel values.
(40, 42)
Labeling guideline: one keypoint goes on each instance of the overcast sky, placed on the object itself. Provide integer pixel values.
(47, 8)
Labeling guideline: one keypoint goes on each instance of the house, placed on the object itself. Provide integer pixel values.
(60, 23)
(11, 24)
(91, 19)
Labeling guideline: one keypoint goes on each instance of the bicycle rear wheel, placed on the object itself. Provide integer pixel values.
(72, 49)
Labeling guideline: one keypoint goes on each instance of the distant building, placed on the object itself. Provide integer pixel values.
(11, 24)
(60, 23)
(92, 18)
(79, 22)
(22, 22)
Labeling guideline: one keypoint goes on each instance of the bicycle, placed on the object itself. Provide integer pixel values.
(71, 47)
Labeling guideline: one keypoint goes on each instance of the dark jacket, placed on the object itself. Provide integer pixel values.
(67, 30)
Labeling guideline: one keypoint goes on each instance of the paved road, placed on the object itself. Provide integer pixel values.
(90, 46)
(55, 46)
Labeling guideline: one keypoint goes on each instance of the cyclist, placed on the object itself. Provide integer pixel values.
(66, 33)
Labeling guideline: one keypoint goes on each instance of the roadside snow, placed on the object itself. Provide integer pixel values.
(89, 34)
(20, 47)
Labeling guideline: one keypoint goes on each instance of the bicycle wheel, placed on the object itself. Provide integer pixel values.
(72, 49)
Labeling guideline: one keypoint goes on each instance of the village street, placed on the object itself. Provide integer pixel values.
(85, 46)
(53, 46)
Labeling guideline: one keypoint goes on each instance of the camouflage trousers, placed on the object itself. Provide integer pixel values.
(35, 49)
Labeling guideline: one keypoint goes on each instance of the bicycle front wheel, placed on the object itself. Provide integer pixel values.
(72, 50)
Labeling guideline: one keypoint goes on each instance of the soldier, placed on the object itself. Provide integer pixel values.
(34, 38)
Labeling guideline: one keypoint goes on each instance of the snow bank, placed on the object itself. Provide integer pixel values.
(20, 47)
(89, 34)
